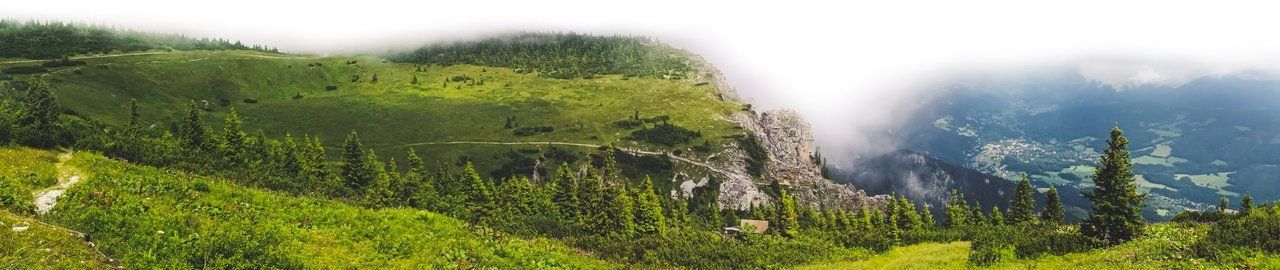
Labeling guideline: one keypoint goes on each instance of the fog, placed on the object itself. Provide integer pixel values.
(852, 69)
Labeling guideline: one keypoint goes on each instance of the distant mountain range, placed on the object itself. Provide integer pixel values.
(1191, 145)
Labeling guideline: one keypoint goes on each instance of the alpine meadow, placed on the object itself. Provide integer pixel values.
(562, 150)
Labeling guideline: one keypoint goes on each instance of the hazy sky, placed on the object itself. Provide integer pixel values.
(848, 67)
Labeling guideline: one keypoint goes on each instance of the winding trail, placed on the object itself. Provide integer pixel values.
(48, 198)
(67, 175)
(628, 150)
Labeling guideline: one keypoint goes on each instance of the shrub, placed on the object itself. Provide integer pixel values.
(530, 131)
(24, 70)
(1002, 243)
(755, 151)
(330, 87)
(665, 134)
(250, 101)
(63, 63)
(1259, 231)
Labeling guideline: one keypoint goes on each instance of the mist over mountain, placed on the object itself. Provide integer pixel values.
(1192, 143)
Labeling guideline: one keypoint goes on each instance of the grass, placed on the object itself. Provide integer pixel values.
(1166, 246)
(920, 256)
(155, 218)
(24, 172)
(392, 112)
(40, 246)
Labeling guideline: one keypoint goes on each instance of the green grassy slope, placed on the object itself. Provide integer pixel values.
(1166, 246)
(34, 245)
(151, 217)
(24, 172)
(391, 114)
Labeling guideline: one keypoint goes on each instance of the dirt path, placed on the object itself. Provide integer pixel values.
(67, 176)
(628, 150)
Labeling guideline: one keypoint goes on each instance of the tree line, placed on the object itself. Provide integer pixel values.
(48, 40)
(558, 55)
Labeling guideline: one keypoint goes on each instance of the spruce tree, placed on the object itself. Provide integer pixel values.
(648, 210)
(926, 217)
(1223, 205)
(1023, 204)
(191, 132)
(1053, 210)
(862, 219)
(1115, 198)
(480, 202)
(786, 221)
(565, 194)
(908, 218)
(134, 116)
(233, 140)
(997, 216)
(415, 80)
(356, 170)
(415, 189)
(620, 211)
(1246, 204)
(41, 109)
(957, 210)
(976, 217)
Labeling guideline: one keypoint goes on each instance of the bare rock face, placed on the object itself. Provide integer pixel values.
(788, 141)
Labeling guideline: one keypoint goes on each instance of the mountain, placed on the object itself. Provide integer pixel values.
(1191, 144)
(926, 180)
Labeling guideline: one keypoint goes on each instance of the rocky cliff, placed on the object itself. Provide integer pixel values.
(788, 144)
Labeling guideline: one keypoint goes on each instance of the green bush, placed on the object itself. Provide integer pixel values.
(1259, 231)
(1001, 243)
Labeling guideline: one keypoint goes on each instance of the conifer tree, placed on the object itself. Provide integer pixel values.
(926, 217)
(1246, 204)
(379, 192)
(480, 200)
(786, 220)
(286, 158)
(1116, 202)
(191, 132)
(908, 218)
(591, 196)
(649, 219)
(355, 167)
(41, 109)
(315, 172)
(565, 194)
(233, 140)
(415, 189)
(1022, 208)
(134, 116)
(1053, 210)
(375, 78)
(976, 217)
(862, 219)
(957, 210)
(997, 216)
(415, 80)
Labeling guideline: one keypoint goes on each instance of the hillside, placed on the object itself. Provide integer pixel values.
(1167, 247)
(147, 217)
(925, 179)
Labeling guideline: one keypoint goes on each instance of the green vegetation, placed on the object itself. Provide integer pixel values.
(25, 243)
(563, 56)
(37, 40)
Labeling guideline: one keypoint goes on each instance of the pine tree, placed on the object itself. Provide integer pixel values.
(355, 168)
(786, 220)
(926, 217)
(480, 200)
(565, 194)
(620, 211)
(1246, 204)
(1115, 198)
(997, 216)
(1023, 205)
(976, 217)
(134, 116)
(233, 140)
(591, 196)
(648, 211)
(908, 217)
(415, 189)
(957, 210)
(375, 78)
(379, 192)
(415, 80)
(191, 132)
(1223, 205)
(1053, 210)
(315, 173)
(41, 109)
(862, 219)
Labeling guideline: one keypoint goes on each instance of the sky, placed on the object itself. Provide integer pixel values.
(849, 67)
